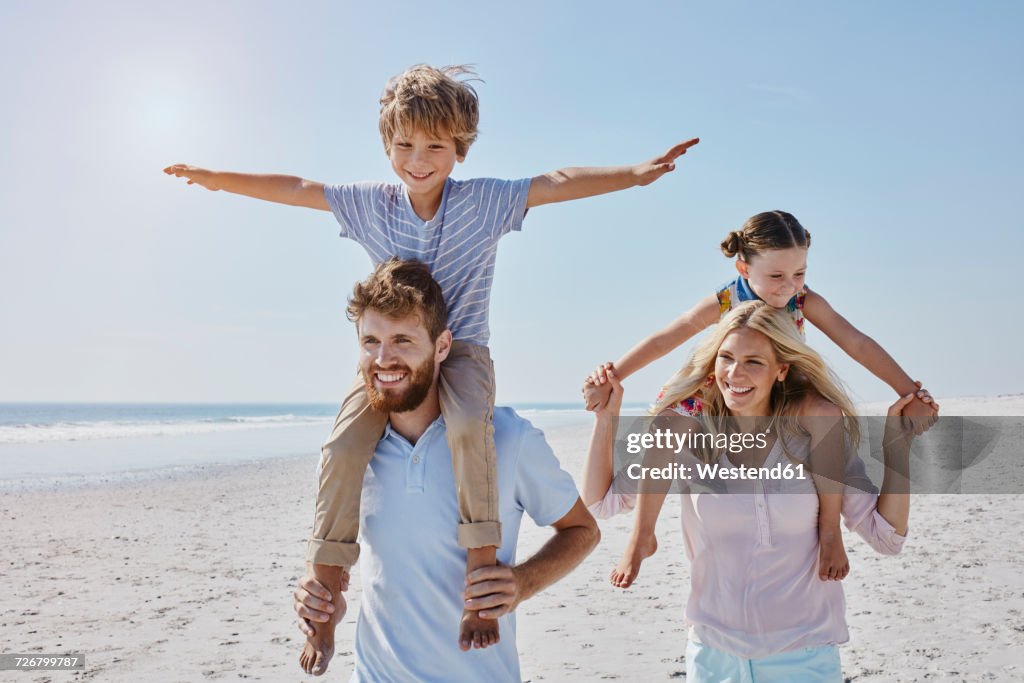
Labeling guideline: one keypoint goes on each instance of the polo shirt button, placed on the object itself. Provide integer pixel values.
(415, 459)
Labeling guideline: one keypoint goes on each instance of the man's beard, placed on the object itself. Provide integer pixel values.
(394, 401)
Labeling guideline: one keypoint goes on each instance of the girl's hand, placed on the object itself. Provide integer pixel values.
(925, 396)
(613, 405)
(600, 375)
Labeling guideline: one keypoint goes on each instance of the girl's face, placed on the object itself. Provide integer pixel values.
(745, 370)
(776, 275)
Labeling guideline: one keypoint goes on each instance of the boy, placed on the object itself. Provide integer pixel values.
(428, 120)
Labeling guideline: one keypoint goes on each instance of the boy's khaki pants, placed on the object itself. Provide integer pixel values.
(467, 404)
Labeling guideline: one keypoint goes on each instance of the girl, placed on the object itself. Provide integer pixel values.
(771, 259)
(756, 610)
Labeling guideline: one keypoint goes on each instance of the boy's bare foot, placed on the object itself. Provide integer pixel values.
(832, 562)
(640, 547)
(319, 648)
(475, 631)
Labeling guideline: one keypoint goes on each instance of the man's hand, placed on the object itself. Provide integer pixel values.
(649, 171)
(494, 591)
(195, 175)
(312, 602)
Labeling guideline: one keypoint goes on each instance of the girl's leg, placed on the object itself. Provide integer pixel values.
(828, 467)
(642, 542)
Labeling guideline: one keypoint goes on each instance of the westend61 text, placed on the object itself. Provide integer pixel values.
(667, 439)
(706, 472)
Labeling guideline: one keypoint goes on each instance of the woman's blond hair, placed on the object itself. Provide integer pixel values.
(432, 100)
(808, 374)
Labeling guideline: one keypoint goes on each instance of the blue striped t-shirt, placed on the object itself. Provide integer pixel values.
(458, 244)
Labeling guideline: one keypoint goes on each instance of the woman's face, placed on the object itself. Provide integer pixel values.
(745, 370)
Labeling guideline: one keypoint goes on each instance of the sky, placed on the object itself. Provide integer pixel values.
(891, 130)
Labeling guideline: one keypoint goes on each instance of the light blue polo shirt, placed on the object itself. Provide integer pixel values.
(411, 565)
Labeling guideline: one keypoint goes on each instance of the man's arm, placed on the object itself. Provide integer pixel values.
(576, 183)
(283, 189)
(498, 590)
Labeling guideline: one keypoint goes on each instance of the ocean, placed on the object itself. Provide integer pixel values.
(44, 444)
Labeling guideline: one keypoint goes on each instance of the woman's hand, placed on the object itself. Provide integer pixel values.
(596, 388)
(897, 426)
(921, 413)
(597, 470)
(613, 405)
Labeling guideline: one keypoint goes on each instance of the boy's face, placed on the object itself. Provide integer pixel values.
(423, 160)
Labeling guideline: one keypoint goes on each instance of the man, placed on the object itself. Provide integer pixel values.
(411, 559)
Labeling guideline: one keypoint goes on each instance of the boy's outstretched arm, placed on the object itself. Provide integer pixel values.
(576, 183)
(283, 189)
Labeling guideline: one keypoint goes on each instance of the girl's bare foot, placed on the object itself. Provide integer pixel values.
(477, 632)
(833, 564)
(319, 648)
(640, 547)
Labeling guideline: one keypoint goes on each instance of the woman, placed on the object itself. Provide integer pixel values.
(757, 608)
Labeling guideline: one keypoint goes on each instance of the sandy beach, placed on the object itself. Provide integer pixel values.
(188, 577)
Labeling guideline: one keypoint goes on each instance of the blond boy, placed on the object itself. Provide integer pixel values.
(428, 121)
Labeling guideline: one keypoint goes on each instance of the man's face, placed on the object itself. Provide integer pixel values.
(398, 361)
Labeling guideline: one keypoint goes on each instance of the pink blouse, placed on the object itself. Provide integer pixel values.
(754, 586)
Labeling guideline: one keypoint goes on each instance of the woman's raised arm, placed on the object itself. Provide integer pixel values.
(894, 500)
(597, 471)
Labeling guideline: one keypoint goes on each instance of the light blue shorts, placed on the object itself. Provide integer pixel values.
(807, 665)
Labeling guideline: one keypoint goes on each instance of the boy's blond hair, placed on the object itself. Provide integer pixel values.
(432, 100)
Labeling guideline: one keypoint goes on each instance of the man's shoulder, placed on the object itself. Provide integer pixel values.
(514, 434)
(510, 423)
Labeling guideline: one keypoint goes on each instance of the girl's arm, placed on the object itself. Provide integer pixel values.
(856, 344)
(698, 318)
(686, 326)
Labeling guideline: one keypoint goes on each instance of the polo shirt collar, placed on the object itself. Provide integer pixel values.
(391, 433)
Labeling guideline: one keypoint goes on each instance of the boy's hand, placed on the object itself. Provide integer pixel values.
(195, 175)
(649, 171)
